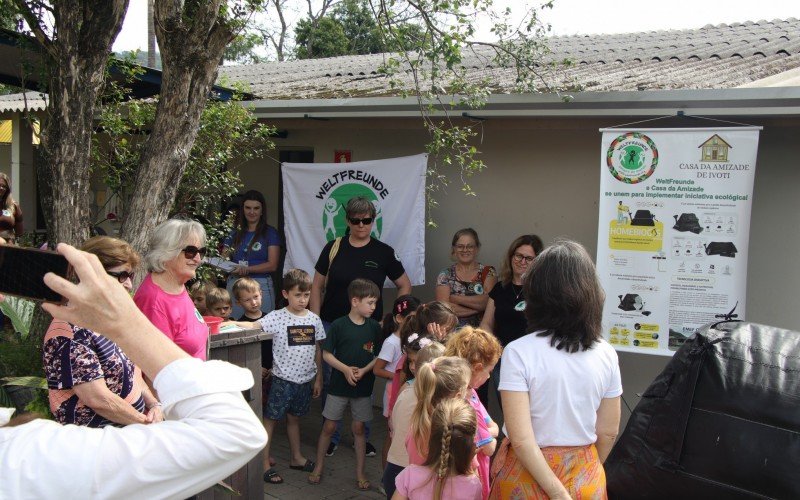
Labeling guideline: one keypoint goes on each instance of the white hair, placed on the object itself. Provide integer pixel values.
(169, 239)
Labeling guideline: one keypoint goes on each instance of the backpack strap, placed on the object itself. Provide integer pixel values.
(332, 255)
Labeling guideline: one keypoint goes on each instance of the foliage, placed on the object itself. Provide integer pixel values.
(325, 39)
(228, 136)
(242, 50)
(428, 64)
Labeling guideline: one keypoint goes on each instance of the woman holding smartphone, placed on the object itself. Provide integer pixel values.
(90, 381)
(177, 247)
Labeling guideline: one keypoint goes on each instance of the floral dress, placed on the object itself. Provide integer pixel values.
(449, 278)
(73, 355)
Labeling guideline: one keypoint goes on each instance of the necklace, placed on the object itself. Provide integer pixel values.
(519, 305)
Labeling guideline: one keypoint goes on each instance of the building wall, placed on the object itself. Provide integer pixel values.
(543, 177)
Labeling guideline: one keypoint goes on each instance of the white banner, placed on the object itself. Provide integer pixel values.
(314, 196)
(673, 232)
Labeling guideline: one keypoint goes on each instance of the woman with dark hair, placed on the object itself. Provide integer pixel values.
(560, 385)
(256, 246)
(11, 215)
(466, 284)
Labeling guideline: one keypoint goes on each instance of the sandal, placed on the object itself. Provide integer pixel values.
(314, 478)
(306, 467)
(362, 484)
(272, 477)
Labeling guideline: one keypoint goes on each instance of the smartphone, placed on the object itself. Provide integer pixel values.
(22, 272)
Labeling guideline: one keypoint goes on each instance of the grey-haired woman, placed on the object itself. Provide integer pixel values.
(176, 249)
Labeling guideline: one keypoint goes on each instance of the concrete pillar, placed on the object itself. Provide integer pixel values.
(23, 174)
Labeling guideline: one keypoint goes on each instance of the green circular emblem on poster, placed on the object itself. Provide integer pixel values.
(334, 220)
(632, 158)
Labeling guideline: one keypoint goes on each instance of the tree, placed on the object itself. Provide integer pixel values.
(75, 42)
(192, 36)
(326, 38)
(228, 136)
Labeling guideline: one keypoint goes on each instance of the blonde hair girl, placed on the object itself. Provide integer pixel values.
(447, 472)
(481, 350)
(397, 457)
(443, 378)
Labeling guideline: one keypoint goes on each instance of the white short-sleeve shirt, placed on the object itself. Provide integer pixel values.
(565, 389)
(391, 352)
(293, 344)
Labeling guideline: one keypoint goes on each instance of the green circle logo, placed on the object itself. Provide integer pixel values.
(632, 158)
(334, 219)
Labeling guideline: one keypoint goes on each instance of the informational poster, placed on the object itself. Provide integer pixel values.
(314, 199)
(673, 232)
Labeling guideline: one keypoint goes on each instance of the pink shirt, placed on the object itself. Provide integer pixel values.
(175, 315)
(418, 482)
(482, 437)
(397, 383)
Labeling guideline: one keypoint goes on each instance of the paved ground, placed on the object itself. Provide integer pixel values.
(339, 478)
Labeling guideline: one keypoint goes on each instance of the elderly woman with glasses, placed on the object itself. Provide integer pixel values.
(177, 247)
(91, 381)
(467, 283)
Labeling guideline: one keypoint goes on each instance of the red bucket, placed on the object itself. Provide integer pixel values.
(213, 323)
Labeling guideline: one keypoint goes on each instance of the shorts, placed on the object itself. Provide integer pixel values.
(288, 397)
(361, 408)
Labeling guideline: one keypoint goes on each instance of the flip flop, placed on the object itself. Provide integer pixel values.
(314, 478)
(272, 477)
(362, 484)
(306, 467)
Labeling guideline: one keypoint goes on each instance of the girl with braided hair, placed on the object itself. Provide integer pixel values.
(447, 472)
(442, 379)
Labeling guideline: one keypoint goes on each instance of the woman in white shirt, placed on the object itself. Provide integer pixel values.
(560, 385)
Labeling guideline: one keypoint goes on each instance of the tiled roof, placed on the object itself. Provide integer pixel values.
(13, 103)
(712, 57)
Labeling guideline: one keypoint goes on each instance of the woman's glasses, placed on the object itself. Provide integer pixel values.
(464, 248)
(356, 221)
(122, 276)
(519, 258)
(191, 251)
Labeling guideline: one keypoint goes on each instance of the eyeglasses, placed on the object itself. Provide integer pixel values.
(464, 248)
(518, 258)
(191, 251)
(122, 276)
(356, 221)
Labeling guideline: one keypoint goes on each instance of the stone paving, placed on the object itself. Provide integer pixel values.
(339, 478)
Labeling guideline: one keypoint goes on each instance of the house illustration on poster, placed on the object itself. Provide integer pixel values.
(715, 149)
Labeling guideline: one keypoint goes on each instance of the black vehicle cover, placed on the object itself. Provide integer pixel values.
(721, 421)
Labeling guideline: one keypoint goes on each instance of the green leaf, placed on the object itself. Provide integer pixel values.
(20, 312)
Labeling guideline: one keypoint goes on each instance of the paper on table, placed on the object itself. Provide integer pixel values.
(230, 328)
(224, 264)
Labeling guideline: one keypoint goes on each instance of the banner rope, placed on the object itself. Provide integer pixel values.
(681, 114)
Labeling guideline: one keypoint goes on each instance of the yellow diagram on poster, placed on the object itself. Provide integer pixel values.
(626, 235)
